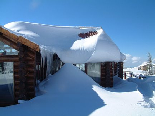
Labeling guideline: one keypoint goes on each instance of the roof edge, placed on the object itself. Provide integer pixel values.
(15, 38)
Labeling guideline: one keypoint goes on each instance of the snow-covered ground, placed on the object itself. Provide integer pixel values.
(70, 92)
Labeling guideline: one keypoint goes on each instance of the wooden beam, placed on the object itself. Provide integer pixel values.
(11, 36)
(8, 42)
(9, 58)
(22, 72)
(29, 43)
(120, 70)
(106, 74)
(20, 39)
(115, 68)
(86, 68)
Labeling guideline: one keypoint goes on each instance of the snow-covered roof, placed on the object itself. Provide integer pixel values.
(66, 42)
(143, 64)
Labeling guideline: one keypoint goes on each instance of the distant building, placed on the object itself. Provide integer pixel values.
(145, 67)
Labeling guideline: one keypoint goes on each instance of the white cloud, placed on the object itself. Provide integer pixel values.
(132, 61)
(135, 59)
(34, 4)
(128, 56)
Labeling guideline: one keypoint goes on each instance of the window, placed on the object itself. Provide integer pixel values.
(81, 67)
(94, 71)
(6, 82)
(7, 50)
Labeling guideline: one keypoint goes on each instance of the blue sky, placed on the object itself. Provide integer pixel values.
(129, 23)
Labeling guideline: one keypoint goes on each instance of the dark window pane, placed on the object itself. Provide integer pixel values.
(6, 82)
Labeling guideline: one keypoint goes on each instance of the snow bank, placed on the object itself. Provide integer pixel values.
(67, 44)
(70, 92)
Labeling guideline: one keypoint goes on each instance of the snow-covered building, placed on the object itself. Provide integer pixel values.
(35, 50)
(145, 67)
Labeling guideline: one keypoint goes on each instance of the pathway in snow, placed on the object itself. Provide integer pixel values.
(147, 88)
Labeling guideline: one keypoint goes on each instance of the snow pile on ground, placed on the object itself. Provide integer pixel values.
(70, 92)
(67, 44)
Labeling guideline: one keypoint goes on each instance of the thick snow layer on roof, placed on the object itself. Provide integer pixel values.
(67, 44)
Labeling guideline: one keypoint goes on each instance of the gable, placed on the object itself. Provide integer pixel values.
(12, 40)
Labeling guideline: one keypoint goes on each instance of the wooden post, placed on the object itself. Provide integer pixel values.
(120, 70)
(106, 74)
(86, 68)
(41, 69)
(111, 74)
(26, 73)
(45, 67)
(115, 68)
(124, 75)
(22, 72)
(103, 75)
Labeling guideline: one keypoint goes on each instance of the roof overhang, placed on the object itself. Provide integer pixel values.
(14, 39)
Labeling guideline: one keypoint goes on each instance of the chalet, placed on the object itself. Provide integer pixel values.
(145, 67)
(30, 52)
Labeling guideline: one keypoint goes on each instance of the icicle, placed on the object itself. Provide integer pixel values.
(49, 55)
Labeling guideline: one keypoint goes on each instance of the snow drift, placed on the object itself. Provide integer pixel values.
(67, 44)
(70, 92)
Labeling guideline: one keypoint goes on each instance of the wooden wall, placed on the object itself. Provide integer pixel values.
(120, 70)
(108, 70)
(106, 74)
(24, 67)
(24, 73)
(28, 65)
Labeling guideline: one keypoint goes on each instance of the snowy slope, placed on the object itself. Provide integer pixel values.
(67, 44)
(71, 92)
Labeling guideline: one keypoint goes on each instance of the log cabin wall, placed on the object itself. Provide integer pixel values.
(45, 68)
(120, 70)
(25, 73)
(115, 68)
(107, 74)
(28, 65)
(24, 69)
